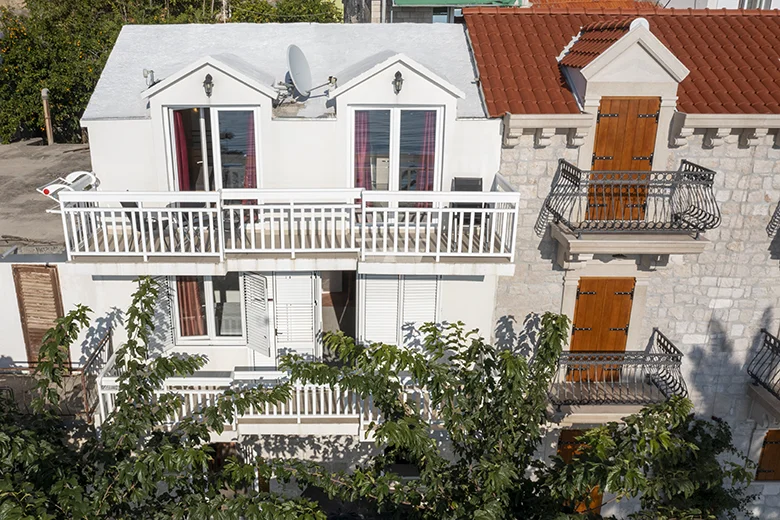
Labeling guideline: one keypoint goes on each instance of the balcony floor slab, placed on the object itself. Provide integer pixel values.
(628, 243)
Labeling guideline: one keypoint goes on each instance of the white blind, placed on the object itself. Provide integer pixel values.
(295, 308)
(380, 308)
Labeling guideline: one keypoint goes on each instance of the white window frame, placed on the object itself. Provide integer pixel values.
(211, 337)
(216, 156)
(395, 141)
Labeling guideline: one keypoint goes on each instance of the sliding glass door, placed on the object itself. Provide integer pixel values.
(214, 148)
(397, 149)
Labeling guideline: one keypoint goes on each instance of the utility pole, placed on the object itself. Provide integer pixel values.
(47, 117)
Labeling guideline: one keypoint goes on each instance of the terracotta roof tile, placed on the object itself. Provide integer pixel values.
(733, 56)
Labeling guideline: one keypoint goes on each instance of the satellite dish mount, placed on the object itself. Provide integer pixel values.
(300, 72)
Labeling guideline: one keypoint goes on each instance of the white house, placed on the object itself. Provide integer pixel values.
(369, 204)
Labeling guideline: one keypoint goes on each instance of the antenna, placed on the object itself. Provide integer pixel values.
(300, 73)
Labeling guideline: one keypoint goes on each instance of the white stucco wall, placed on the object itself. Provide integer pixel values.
(470, 300)
(294, 152)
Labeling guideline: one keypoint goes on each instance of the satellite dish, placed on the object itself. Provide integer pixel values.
(300, 73)
(639, 22)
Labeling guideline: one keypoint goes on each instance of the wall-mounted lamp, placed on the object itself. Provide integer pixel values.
(398, 82)
(208, 85)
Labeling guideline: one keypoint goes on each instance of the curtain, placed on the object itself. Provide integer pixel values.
(190, 298)
(425, 173)
(362, 152)
(182, 161)
(250, 171)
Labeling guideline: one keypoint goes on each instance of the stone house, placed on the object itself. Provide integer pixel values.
(611, 120)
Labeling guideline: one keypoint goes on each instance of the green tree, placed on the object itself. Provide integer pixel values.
(470, 417)
(490, 406)
(137, 467)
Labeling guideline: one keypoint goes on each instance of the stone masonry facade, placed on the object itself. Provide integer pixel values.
(711, 305)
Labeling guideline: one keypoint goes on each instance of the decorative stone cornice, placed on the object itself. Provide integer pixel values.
(752, 136)
(543, 137)
(544, 126)
(713, 137)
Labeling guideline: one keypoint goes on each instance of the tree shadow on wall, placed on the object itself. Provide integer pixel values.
(98, 330)
(523, 341)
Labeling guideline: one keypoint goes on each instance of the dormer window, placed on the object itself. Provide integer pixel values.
(208, 140)
(397, 149)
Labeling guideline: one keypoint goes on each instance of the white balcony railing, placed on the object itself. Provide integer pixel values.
(291, 222)
(310, 408)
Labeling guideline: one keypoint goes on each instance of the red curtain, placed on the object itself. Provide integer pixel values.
(182, 161)
(362, 152)
(425, 173)
(250, 172)
(191, 318)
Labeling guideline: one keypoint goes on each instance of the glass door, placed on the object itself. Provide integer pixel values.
(396, 149)
(208, 140)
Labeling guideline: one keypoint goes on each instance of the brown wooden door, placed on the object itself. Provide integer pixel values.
(769, 463)
(601, 318)
(568, 447)
(626, 131)
(40, 303)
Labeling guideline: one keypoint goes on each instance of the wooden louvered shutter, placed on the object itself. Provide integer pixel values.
(568, 447)
(162, 338)
(380, 308)
(769, 463)
(419, 305)
(258, 322)
(294, 300)
(40, 303)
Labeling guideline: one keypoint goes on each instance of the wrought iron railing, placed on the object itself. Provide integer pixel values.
(774, 223)
(764, 368)
(632, 377)
(681, 201)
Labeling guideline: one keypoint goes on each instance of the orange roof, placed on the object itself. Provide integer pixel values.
(733, 56)
(594, 4)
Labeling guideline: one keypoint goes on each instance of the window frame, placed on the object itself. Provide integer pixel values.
(216, 158)
(211, 337)
(395, 142)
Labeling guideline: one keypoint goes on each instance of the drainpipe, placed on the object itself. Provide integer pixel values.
(47, 117)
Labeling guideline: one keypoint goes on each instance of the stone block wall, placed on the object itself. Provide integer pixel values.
(711, 305)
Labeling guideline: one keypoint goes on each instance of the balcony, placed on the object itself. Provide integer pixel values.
(631, 212)
(774, 223)
(78, 396)
(764, 368)
(290, 223)
(619, 378)
(311, 409)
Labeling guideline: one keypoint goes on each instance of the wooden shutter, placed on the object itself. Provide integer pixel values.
(380, 308)
(40, 303)
(419, 305)
(161, 338)
(568, 447)
(258, 321)
(602, 314)
(626, 132)
(294, 309)
(769, 463)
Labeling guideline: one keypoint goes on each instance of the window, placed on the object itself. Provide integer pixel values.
(769, 463)
(396, 149)
(210, 307)
(441, 15)
(198, 132)
(568, 447)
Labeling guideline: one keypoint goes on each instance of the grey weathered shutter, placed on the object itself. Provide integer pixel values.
(161, 338)
(419, 305)
(258, 322)
(40, 303)
(380, 308)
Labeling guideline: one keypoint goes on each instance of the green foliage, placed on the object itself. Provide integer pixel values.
(475, 440)
(64, 45)
(140, 466)
(680, 467)
(282, 11)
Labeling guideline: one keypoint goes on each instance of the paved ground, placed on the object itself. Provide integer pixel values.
(24, 166)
